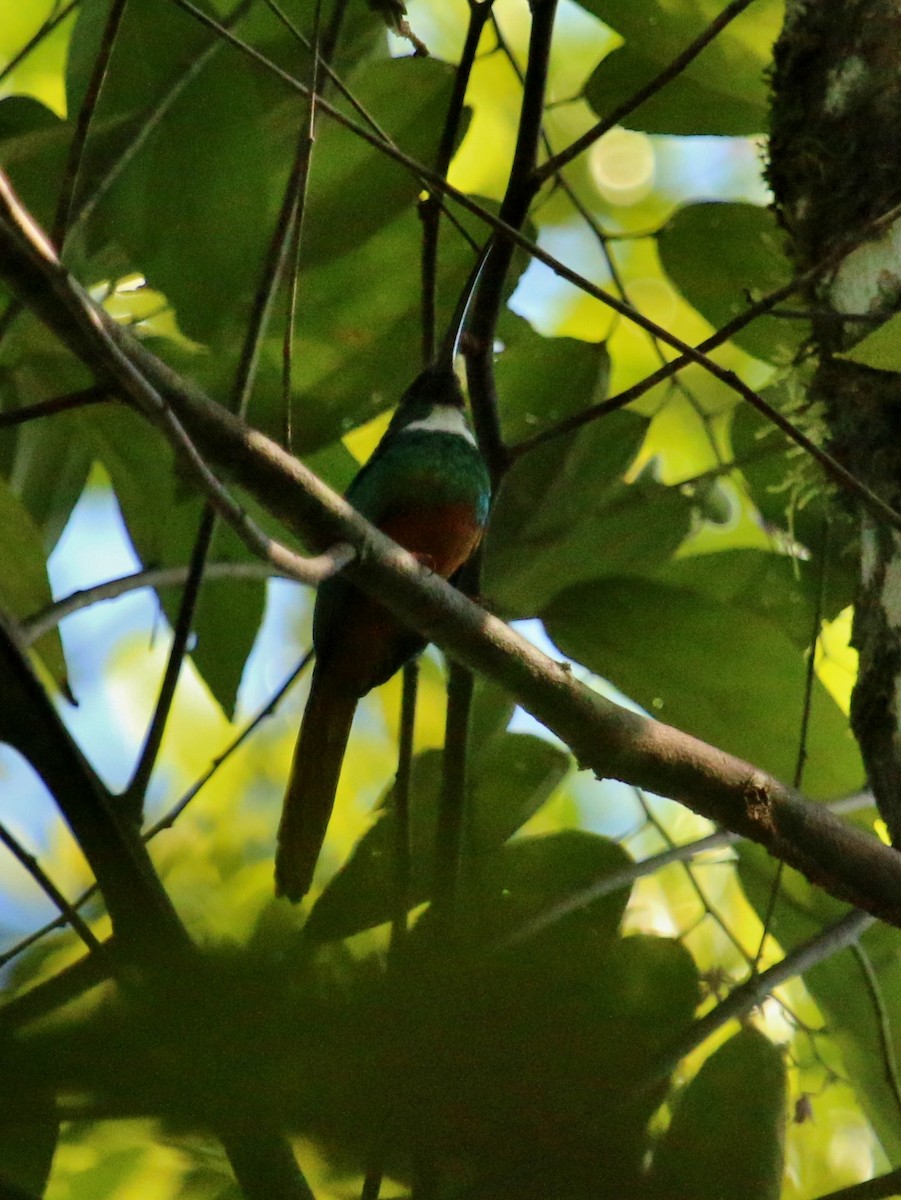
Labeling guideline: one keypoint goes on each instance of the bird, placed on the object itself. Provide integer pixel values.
(426, 486)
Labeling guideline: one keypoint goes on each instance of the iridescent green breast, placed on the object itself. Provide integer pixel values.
(426, 463)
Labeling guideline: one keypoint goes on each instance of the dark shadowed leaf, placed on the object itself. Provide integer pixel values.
(26, 1154)
(33, 143)
(511, 778)
(728, 1124)
(190, 209)
(857, 991)
(542, 379)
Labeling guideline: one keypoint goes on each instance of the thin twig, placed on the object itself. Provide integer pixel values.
(806, 707)
(883, 1024)
(297, 190)
(97, 393)
(86, 112)
(708, 909)
(49, 888)
(520, 191)
(452, 802)
(431, 206)
(285, 238)
(132, 799)
(834, 938)
(49, 617)
(402, 798)
(402, 873)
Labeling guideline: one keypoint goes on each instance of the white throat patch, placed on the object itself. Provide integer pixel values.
(444, 418)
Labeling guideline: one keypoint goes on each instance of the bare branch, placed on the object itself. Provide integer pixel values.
(49, 888)
(48, 618)
(95, 394)
(612, 741)
(83, 122)
(842, 934)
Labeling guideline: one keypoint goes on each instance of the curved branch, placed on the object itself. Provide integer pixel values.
(606, 738)
(48, 618)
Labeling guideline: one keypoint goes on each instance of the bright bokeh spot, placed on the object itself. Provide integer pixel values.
(622, 165)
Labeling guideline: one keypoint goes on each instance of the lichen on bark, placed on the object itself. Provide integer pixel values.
(834, 152)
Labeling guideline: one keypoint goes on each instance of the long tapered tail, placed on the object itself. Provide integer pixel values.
(311, 785)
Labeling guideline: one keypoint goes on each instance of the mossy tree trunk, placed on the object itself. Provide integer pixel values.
(834, 169)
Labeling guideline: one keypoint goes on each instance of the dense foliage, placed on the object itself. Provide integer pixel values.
(679, 549)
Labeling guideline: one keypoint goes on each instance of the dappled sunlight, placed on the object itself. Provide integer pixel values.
(488, 986)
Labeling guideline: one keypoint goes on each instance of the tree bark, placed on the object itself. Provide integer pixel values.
(834, 154)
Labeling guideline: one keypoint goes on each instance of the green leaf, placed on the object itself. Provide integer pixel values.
(46, 462)
(511, 778)
(191, 209)
(490, 713)
(652, 983)
(731, 678)
(162, 519)
(880, 349)
(723, 91)
(24, 586)
(564, 514)
(728, 1128)
(33, 145)
(26, 1153)
(228, 616)
(409, 97)
(49, 473)
(783, 590)
(515, 774)
(718, 254)
(529, 876)
(358, 343)
(858, 993)
(544, 379)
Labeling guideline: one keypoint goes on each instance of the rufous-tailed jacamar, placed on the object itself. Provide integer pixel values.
(427, 487)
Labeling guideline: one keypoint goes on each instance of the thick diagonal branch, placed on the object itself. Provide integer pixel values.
(606, 738)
